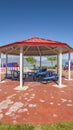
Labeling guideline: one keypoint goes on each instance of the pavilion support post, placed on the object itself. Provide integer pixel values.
(60, 68)
(40, 61)
(57, 64)
(6, 63)
(21, 67)
(0, 66)
(69, 74)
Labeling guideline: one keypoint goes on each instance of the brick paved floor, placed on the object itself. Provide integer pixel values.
(39, 103)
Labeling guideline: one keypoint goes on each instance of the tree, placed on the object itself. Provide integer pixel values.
(52, 59)
(31, 60)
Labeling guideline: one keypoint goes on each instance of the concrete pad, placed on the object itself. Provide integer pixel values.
(41, 100)
(4, 104)
(58, 104)
(23, 110)
(23, 88)
(32, 105)
(69, 105)
(68, 79)
(51, 103)
(55, 115)
(16, 106)
(1, 115)
(62, 86)
(63, 100)
(3, 81)
(70, 101)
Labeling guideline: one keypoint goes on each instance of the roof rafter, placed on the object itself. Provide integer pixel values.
(52, 50)
(39, 50)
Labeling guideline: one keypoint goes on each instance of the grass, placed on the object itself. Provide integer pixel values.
(55, 126)
(58, 126)
(5, 126)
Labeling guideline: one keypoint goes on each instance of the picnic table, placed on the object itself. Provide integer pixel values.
(15, 74)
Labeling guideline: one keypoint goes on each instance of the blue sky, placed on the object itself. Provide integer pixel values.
(22, 19)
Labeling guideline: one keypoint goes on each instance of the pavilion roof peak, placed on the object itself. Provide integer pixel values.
(37, 39)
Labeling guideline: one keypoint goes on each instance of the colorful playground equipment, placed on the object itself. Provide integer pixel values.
(66, 66)
(12, 64)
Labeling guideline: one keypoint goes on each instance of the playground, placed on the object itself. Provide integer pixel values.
(66, 66)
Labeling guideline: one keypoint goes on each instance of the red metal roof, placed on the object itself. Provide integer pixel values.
(37, 41)
(33, 44)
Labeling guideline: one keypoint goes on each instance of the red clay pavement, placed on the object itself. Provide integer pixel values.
(38, 104)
